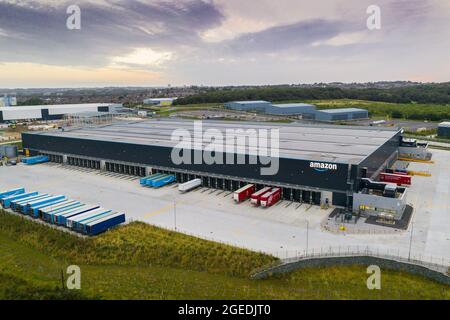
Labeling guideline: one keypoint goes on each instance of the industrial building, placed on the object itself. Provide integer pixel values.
(159, 101)
(257, 105)
(317, 163)
(8, 101)
(444, 130)
(345, 114)
(291, 109)
(307, 111)
(53, 112)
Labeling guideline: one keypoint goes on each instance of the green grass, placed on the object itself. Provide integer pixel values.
(139, 261)
(383, 110)
(166, 111)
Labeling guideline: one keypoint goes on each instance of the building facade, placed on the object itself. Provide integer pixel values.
(53, 112)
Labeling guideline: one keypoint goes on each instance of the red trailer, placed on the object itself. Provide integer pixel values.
(271, 197)
(244, 193)
(399, 179)
(256, 197)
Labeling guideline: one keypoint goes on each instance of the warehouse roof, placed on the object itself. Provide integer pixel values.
(342, 144)
(293, 105)
(54, 106)
(250, 102)
(342, 110)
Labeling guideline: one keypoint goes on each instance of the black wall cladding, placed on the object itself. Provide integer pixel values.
(291, 171)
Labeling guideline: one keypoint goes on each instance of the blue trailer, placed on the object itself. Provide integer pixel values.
(52, 216)
(24, 207)
(163, 181)
(27, 209)
(34, 209)
(43, 212)
(76, 223)
(63, 219)
(12, 192)
(6, 202)
(103, 224)
(147, 180)
(35, 160)
(13, 203)
(80, 225)
(16, 205)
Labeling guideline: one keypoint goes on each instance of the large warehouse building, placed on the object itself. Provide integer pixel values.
(317, 163)
(307, 111)
(331, 115)
(53, 112)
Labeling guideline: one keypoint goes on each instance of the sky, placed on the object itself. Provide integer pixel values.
(221, 42)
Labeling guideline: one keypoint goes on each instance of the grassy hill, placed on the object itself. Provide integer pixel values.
(139, 261)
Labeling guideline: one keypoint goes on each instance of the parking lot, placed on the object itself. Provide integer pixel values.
(283, 230)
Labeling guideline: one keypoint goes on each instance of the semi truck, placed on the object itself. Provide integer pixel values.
(270, 198)
(188, 186)
(399, 179)
(244, 193)
(255, 198)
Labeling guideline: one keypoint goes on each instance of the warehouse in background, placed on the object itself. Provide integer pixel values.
(291, 109)
(160, 102)
(306, 111)
(54, 112)
(8, 101)
(444, 130)
(332, 115)
(257, 105)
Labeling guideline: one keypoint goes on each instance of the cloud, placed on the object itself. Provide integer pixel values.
(110, 28)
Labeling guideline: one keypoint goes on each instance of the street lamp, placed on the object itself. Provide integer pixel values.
(410, 240)
(307, 236)
(175, 214)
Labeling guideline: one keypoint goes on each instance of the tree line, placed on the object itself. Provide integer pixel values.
(424, 93)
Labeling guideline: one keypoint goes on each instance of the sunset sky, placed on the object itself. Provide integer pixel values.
(221, 42)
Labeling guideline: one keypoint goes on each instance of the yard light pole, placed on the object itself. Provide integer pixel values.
(175, 214)
(307, 236)
(410, 240)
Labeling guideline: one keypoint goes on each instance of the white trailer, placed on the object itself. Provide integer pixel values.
(185, 187)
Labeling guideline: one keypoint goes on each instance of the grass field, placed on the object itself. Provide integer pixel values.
(381, 110)
(139, 261)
